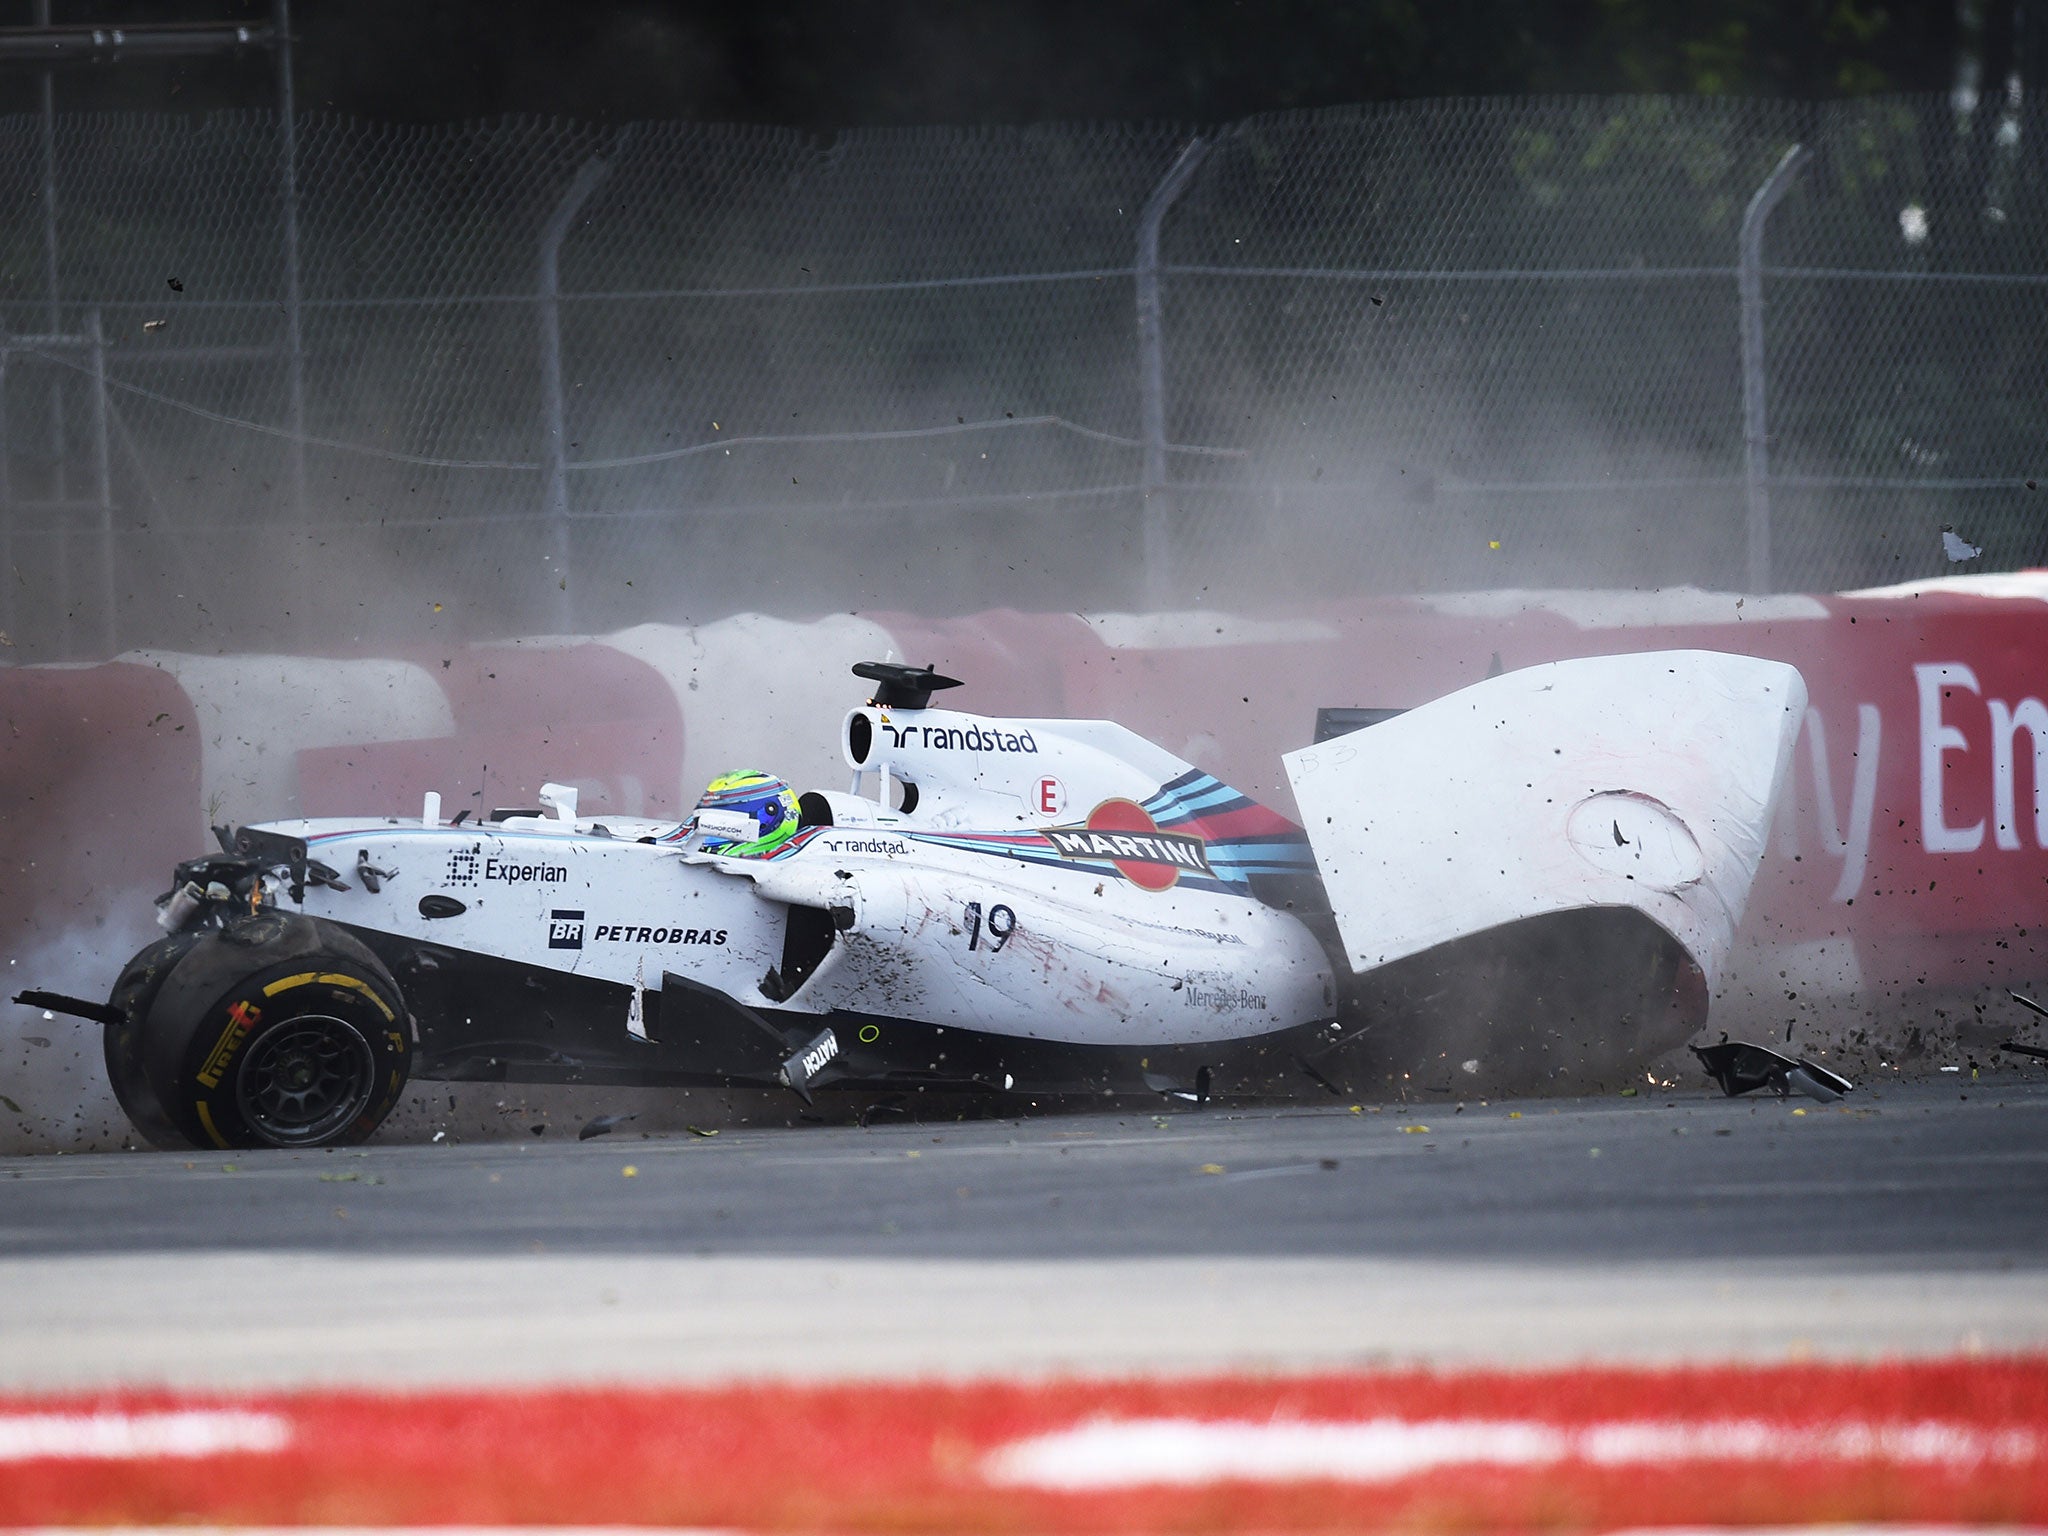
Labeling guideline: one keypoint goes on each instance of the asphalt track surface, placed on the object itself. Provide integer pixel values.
(1909, 1220)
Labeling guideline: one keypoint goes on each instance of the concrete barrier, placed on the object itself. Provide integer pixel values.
(1910, 864)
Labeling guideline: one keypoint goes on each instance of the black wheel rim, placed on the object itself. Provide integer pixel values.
(305, 1080)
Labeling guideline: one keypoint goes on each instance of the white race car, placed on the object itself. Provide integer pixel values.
(1535, 877)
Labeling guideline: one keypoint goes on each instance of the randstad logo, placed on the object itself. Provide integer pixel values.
(955, 738)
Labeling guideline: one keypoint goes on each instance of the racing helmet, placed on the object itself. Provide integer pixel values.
(770, 803)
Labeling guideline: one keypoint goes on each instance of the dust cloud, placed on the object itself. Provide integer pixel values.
(54, 1094)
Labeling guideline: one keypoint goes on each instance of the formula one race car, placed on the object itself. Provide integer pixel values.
(1535, 878)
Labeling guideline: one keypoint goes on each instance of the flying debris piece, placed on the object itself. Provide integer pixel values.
(1740, 1067)
(1955, 548)
(151, 327)
(603, 1125)
(1173, 1088)
(2014, 1046)
(77, 1007)
(174, 285)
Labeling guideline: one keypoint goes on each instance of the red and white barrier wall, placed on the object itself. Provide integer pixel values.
(1913, 850)
(1906, 1447)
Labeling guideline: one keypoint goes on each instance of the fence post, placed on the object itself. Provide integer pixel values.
(1152, 371)
(553, 441)
(288, 199)
(1756, 461)
(103, 487)
(53, 324)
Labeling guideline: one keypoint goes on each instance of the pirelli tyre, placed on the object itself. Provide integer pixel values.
(135, 992)
(281, 1031)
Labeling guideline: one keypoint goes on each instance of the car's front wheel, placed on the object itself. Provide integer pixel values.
(282, 1031)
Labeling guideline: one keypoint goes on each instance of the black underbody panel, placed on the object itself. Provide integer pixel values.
(484, 1019)
(1566, 998)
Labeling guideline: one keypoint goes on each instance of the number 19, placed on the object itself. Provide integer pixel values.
(1002, 922)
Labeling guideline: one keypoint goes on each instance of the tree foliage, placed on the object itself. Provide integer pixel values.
(837, 63)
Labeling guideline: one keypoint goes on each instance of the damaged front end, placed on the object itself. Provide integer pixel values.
(1740, 1067)
(248, 1024)
(212, 891)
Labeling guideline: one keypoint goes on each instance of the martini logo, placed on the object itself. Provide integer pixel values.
(1124, 833)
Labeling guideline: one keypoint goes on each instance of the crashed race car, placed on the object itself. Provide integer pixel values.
(1532, 881)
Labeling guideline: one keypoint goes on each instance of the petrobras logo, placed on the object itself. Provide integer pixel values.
(1123, 833)
(565, 929)
(637, 933)
(958, 738)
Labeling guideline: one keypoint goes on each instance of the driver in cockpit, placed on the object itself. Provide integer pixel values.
(753, 795)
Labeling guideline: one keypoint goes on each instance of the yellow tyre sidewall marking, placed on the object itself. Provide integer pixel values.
(204, 1109)
(206, 1121)
(241, 1019)
(333, 979)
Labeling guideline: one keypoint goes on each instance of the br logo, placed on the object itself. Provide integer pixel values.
(565, 929)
